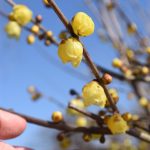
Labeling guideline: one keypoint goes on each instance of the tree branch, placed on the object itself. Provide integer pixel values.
(90, 63)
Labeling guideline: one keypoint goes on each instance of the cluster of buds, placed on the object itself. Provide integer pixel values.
(35, 94)
(36, 31)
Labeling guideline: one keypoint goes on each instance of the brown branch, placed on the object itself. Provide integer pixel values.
(86, 55)
(140, 135)
(137, 125)
(93, 116)
(62, 126)
(68, 128)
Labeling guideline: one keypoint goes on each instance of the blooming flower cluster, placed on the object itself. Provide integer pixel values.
(70, 49)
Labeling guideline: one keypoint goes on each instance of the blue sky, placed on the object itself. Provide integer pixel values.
(22, 65)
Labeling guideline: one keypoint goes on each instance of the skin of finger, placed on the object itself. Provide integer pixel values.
(22, 148)
(11, 125)
(4, 146)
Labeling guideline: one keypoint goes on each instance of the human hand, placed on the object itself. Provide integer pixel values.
(10, 126)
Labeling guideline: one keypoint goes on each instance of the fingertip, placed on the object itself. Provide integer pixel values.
(11, 125)
(4, 146)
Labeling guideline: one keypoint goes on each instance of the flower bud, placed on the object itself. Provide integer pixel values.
(57, 116)
(35, 29)
(143, 101)
(107, 78)
(127, 116)
(117, 63)
(49, 34)
(38, 19)
(87, 137)
(131, 28)
(31, 39)
(81, 122)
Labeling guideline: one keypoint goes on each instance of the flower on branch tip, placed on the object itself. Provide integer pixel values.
(117, 124)
(82, 24)
(13, 29)
(76, 103)
(70, 50)
(21, 14)
(93, 94)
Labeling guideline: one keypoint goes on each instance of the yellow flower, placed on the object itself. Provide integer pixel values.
(81, 122)
(147, 50)
(21, 14)
(35, 29)
(87, 137)
(127, 116)
(114, 94)
(82, 24)
(117, 63)
(76, 103)
(13, 30)
(130, 53)
(145, 70)
(117, 124)
(65, 143)
(93, 94)
(70, 50)
(46, 2)
(143, 101)
(31, 39)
